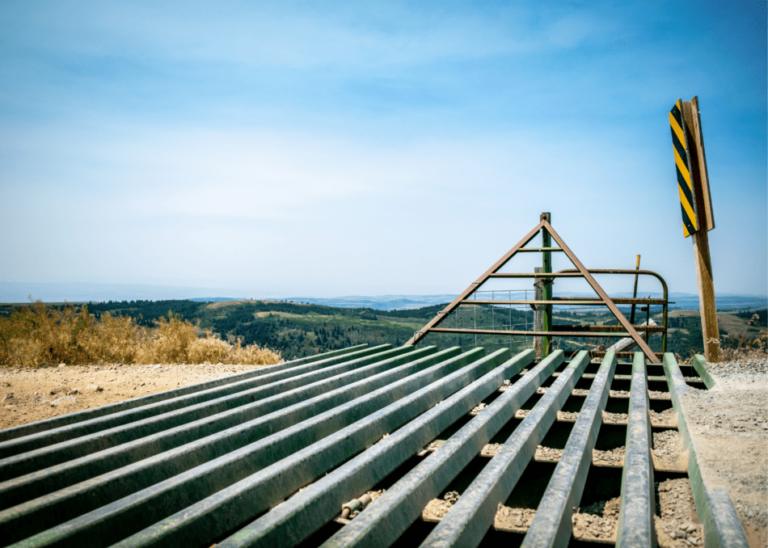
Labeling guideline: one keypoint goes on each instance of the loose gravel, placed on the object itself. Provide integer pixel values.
(729, 427)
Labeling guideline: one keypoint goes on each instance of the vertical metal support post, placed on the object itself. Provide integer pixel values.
(509, 298)
(546, 289)
(634, 294)
(493, 321)
(537, 312)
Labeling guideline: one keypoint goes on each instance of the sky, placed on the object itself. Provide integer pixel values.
(375, 148)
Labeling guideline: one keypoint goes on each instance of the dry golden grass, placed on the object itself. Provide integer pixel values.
(34, 336)
(737, 347)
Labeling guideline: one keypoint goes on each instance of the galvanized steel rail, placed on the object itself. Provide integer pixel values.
(123, 426)
(87, 414)
(274, 455)
(294, 520)
(268, 416)
(472, 516)
(638, 500)
(552, 526)
(400, 506)
(209, 459)
(714, 507)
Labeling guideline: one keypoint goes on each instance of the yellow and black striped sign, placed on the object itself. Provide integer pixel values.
(683, 166)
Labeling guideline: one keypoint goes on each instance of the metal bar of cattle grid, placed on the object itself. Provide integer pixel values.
(552, 526)
(322, 394)
(714, 507)
(207, 400)
(87, 414)
(50, 455)
(301, 515)
(68, 503)
(638, 500)
(235, 505)
(124, 517)
(392, 513)
(468, 520)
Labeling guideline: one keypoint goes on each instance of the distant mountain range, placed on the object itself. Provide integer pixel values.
(384, 302)
(86, 292)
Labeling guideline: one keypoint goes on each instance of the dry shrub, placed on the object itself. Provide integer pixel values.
(209, 350)
(113, 339)
(213, 350)
(168, 342)
(733, 348)
(34, 336)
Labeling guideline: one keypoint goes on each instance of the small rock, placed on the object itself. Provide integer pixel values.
(42, 400)
(62, 365)
(5, 384)
(65, 400)
(452, 497)
(8, 396)
(57, 390)
(93, 388)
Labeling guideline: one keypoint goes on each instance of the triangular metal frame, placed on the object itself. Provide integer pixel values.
(544, 224)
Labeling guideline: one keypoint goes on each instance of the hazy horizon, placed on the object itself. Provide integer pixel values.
(83, 293)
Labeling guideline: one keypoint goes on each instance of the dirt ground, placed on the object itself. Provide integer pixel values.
(729, 426)
(33, 394)
(436, 509)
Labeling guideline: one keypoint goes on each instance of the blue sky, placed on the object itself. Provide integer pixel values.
(336, 148)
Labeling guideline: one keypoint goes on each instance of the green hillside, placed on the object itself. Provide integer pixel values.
(298, 330)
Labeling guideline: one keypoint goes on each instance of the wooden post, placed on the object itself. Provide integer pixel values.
(701, 257)
(546, 286)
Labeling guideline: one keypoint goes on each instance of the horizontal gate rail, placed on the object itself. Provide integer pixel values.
(564, 301)
(609, 334)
